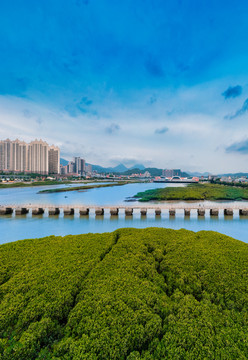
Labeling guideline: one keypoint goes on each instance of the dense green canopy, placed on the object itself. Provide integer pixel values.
(196, 192)
(131, 294)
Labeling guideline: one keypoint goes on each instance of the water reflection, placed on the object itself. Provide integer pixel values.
(68, 217)
(245, 218)
(228, 217)
(214, 218)
(84, 217)
(99, 217)
(114, 217)
(128, 217)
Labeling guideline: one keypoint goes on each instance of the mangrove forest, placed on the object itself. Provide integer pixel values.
(195, 192)
(131, 294)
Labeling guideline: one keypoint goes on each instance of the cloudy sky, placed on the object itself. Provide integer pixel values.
(164, 83)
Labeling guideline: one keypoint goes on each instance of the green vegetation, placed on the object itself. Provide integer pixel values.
(195, 192)
(35, 183)
(76, 188)
(133, 294)
(239, 184)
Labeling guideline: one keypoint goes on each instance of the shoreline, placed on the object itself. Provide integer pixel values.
(35, 183)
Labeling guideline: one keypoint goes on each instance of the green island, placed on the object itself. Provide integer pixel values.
(132, 294)
(195, 192)
(82, 188)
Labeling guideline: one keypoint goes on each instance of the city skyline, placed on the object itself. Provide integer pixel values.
(33, 157)
(165, 84)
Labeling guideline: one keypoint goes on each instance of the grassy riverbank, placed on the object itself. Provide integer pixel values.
(131, 294)
(195, 192)
(30, 184)
(87, 187)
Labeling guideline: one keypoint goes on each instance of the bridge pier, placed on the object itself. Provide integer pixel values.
(214, 212)
(69, 211)
(6, 211)
(21, 211)
(84, 211)
(243, 212)
(158, 212)
(128, 211)
(54, 211)
(201, 212)
(114, 211)
(38, 211)
(186, 212)
(228, 212)
(99, 211)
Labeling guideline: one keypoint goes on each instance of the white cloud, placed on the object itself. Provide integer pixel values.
(196, 139)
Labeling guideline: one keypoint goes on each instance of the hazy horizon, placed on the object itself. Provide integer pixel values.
(159, 83)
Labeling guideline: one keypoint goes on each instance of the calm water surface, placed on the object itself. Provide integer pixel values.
(15, 228)
(115, 195)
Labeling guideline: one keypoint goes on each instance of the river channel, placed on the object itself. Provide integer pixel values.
(16, 228)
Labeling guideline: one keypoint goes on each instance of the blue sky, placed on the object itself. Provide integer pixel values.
(159, 82)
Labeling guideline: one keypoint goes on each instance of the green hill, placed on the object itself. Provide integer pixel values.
(131, 294)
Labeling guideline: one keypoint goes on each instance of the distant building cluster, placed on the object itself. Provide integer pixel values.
(230, 179)
(144, 175)
(34, 157)
(76, 167)
(169, 173)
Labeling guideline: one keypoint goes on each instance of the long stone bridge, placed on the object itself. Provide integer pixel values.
(84, 210)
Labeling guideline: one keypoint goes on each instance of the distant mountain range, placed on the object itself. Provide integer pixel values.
(235, 174)
(137, 168)
(117, 169)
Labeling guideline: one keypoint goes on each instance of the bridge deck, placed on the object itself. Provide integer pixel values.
(162, 206)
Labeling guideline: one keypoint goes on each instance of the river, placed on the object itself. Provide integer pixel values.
(16, 228)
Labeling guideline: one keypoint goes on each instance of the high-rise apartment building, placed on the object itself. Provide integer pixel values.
(20, 155)
(53, 160)
(79, 166)
(38, 157)
(82, 166)
(77, 162)
(6, 157)
(76, 167)
(35, 157)
(71, 167)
